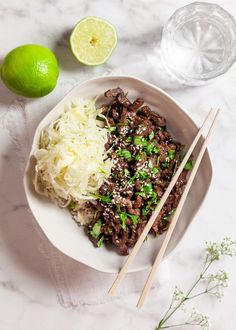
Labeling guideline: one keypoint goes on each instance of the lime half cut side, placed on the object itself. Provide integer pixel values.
(93, 40)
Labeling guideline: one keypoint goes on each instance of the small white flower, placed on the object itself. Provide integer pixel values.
(178, 295)
(197, 318)
(215, 250)
(217, 282)
(221, 277)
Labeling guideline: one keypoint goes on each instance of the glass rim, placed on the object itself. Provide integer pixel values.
(191, 80)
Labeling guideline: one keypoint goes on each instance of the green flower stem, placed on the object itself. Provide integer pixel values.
(176, 325)
(168, 315)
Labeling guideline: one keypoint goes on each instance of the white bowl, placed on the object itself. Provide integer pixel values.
(57, 223)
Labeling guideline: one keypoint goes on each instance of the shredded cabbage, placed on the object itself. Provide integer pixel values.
(71, 158)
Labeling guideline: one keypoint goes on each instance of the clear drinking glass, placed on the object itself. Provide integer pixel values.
(199, 43)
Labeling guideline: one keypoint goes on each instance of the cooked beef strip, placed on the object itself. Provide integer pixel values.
(145, 157)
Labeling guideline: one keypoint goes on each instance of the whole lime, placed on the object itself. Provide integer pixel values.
(30, 70)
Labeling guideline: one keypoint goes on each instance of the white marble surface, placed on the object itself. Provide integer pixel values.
(28, 297)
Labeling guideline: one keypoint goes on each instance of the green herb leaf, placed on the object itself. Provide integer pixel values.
(156, 150)
(144, 211)
(155, 170)
(104, 198)
(165, 164)
(151, 135)
(138, 157)
(171, 154)
(158, 161)
(150, 148)
(133, 217)
(123, 218)
(147, 188)
(111, 129)
(100, 242)
(96, 230)
(141, 174)
(129, 139)
(140, 193)
(125, 154)
(153, 195)
(72, 205)
(101, 170)
(140, 141)
(189, 165)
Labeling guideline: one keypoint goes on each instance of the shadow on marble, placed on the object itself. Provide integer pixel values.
(17, 234)
(66, 59)
(6, 96)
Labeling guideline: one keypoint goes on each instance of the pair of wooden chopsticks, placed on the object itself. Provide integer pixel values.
(174, 220)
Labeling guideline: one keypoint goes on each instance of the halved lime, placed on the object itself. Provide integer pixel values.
(93, 40)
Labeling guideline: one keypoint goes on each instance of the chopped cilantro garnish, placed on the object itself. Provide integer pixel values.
(154, 195)
(125, 154)
(149, 148)
(100, 242)
(140, 141)
(151, 135)
(156, 150)
(155, 170)
(72, 205)
(104, 198)
(138, 157)
(165, 164)
(141, 174)
(171, 154)
(111, 129)
(140, 193)
(133, 217)
(129, 139)
(123, 217)
(101, 170)
(147, 188)
(189, 165)
(96, 230)
(144, 211)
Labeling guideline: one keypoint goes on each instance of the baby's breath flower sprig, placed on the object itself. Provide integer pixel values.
(215, 250)
(214, 285)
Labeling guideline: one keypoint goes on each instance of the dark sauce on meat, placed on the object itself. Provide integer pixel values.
(145, 158)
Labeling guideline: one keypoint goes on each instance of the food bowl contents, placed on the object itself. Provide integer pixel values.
(110, 167)
(30, 70)
(72, 162)
(93, 40)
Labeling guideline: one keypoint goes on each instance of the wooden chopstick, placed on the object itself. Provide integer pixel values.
(149, 224)
(174, 220)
